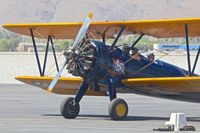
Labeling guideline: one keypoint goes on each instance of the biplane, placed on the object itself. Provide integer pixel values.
(105, 70)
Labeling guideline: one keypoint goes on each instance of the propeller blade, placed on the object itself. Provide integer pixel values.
(77, 40)
(54, 81)
(82, 31)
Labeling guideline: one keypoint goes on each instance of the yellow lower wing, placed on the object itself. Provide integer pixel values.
(63, 86)
(165, 85)
(171, 85)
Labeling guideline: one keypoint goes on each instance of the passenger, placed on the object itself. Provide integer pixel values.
(151, 57)
(125, 50)
(135, 54)
(118, 67)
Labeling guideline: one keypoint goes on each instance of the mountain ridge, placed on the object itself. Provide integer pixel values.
(27, 11)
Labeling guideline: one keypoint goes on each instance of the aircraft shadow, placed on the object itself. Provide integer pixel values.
(129, 118)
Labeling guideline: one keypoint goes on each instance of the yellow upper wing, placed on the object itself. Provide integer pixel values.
(164, 85)
(157, 28)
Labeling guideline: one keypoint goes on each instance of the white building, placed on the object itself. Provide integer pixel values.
(171, 47)
(28, 47)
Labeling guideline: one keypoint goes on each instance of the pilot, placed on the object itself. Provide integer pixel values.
(135, 54)
(151, 57)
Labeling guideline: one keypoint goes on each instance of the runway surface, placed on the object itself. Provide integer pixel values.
(28, 109)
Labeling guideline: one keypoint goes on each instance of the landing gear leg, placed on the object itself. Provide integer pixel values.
(111, 89)
(70, 106)
(118, 108)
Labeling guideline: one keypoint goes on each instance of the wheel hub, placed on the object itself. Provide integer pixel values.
(120, 109)
(71, 107)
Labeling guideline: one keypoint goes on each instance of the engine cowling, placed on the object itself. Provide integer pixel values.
(81, 61)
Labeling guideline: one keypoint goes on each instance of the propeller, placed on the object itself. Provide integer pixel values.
(82, 31)
(82, 61)
(70, 54)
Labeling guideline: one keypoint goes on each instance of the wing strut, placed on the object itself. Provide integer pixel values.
(117, 38)
(103, 39)
(188, 49)
(36, 52)
(54, 53)
(45, 57)
(49, 40)
(138, 39)
(196, 59)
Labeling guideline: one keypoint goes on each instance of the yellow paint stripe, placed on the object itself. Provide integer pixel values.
(196, 78)
(48, 78)
(177, 20)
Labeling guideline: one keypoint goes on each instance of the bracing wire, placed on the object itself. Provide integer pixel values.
(51, 70)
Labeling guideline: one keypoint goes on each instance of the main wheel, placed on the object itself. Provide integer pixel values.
(118, 109)
(69, 109)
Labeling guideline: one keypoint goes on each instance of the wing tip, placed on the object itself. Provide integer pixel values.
(90, 15)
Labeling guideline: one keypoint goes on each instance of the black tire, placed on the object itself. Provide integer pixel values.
(69, 109)
(118, 109)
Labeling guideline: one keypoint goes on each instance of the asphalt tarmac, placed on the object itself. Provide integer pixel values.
(26, 109)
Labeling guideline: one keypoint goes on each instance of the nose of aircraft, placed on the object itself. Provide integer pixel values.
(82, 60)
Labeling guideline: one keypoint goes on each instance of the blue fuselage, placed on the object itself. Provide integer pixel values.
(133, 68)
(136, 69)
